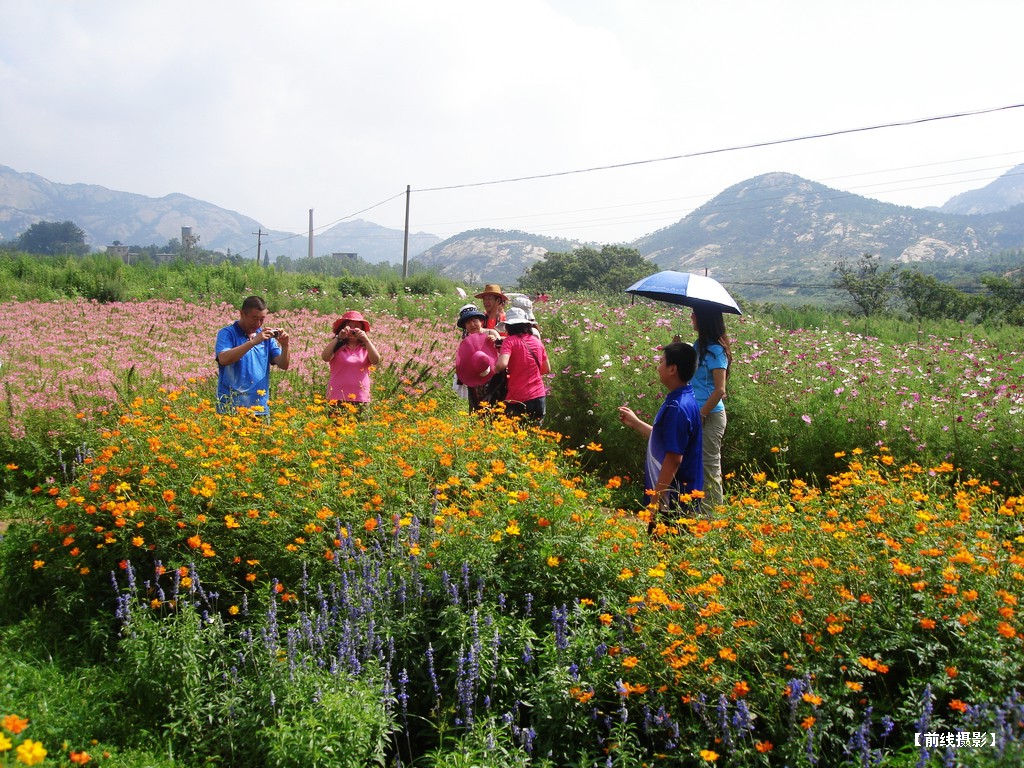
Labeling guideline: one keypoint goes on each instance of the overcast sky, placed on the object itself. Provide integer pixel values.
(271, 108)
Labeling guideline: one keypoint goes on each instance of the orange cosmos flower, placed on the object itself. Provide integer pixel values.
(709, 755)
(169, 496)
(14, 724)
(958, 705)
(808, 722)
(873, 664)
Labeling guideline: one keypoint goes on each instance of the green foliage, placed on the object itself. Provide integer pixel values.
(217, 699)
(607, 271)
(868, 285)
(927, 298)
(346, 726)
(105, 278)
(1006, 298)
(53, 238)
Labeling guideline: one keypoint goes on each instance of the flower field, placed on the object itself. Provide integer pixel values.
(419, 587)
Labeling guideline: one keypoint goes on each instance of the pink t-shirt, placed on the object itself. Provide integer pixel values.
(526, 354)
(350, 375)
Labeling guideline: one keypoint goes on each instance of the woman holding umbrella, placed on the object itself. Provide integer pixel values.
(714, 355)
(708, 300)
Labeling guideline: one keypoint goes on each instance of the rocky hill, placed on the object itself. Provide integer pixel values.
(107, 215)
(491, 255)
(1003, 193)
(781, 229)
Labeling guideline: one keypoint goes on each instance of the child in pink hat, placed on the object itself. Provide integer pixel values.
(350, 353)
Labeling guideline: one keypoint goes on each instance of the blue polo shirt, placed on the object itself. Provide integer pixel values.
(245, 383)
(677, 429)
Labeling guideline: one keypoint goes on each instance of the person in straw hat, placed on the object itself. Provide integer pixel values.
(494, 304)
(350, 353)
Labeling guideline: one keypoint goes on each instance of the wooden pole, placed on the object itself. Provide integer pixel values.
(405, 249)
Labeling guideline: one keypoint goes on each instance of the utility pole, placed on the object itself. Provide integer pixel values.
(310, 233)
(405, 249)
(259, 243)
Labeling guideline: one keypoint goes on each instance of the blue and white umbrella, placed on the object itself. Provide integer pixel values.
(687, 289)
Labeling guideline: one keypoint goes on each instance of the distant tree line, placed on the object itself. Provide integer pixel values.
(874, 289)
(586, 270)
(51, 238)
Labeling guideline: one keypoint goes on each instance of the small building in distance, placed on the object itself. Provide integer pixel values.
(121, 251)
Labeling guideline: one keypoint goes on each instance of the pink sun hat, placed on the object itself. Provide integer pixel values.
(475, 359)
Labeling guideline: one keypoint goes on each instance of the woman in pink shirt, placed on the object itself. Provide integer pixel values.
(526, 360)
(350, 353)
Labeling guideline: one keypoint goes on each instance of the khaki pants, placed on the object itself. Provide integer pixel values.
(714, 431)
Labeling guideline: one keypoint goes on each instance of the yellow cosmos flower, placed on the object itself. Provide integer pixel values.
(31, 752)
(709, 755)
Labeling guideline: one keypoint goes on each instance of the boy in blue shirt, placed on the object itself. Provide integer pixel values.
(674, 465)
(245, 350)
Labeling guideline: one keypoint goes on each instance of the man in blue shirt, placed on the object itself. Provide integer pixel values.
(674, 465)
(245, 351)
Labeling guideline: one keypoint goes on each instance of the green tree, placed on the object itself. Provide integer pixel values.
(926, 297)
(868, 285)
(610, 270)
(1005, 298)
(53, 238)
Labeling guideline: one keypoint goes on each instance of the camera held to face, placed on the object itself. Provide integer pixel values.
(277, 332)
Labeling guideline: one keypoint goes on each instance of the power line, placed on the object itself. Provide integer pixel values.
(675, 215)
(720, 150)
(735, 148)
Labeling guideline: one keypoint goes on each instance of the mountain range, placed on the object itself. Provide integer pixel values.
(107, 216)
(773, 233)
